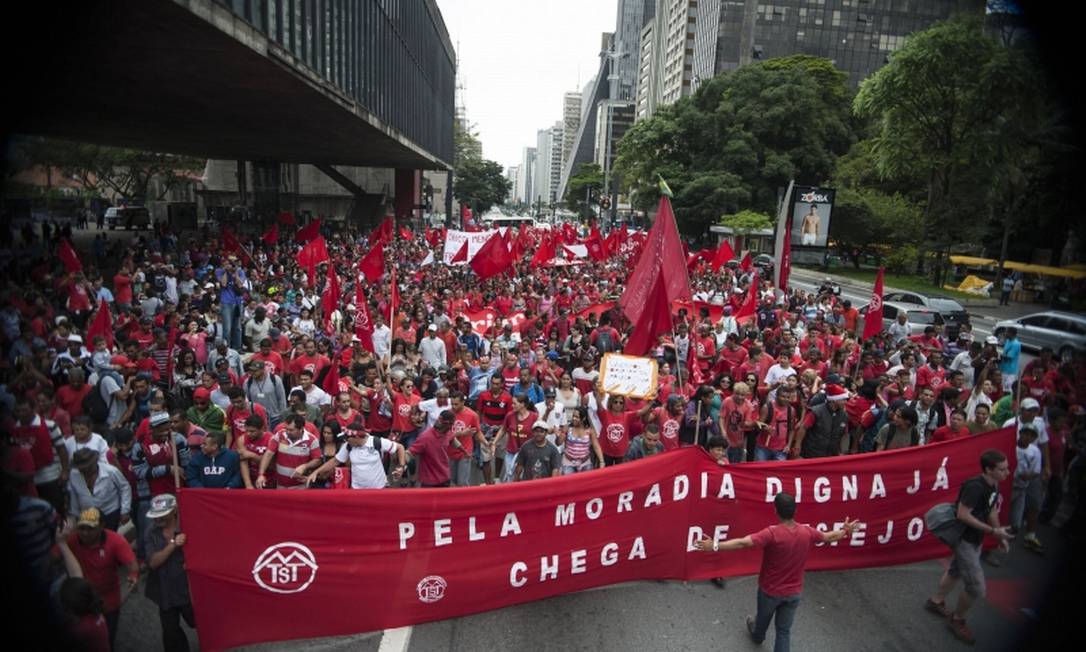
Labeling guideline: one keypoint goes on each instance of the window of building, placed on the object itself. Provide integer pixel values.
(836, 22)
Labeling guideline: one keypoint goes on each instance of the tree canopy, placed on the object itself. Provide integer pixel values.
(739, 139)
(587, 181)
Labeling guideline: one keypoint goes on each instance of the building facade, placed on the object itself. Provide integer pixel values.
(856, 35)
(632, 15)
(571, 121)
(524, 191)
(677, 23)
(548, 163)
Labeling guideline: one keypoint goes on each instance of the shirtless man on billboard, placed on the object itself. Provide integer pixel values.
(810, 225)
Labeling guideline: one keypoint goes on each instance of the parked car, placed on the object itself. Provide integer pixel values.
(1063, 332)
(127, 217)
(765, 264)
(954, 314)
(918, 317)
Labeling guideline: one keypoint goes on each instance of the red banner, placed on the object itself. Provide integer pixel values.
(354, 561)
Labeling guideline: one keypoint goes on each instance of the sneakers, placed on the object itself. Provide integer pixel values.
(719, 582)
(1033, 543)
(961, 631)
(937, 608)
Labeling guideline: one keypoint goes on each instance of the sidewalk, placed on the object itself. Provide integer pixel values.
(981, 307)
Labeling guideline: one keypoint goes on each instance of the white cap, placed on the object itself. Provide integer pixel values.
(1030, 403)
(991, 339)
(75, 339)
(432, 327)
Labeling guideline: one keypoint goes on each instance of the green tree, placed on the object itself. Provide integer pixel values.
(102, 170)
(932, 107)
(480, 184)
(582, 190)
(739, 138)
(868, 222)
(747, 222)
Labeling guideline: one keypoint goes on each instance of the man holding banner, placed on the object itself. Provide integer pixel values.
(780, 580)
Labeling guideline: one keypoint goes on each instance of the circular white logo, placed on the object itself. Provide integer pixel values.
(876, 302)
(616, 432)
(286, 567)
(670, 429)
(431, 588)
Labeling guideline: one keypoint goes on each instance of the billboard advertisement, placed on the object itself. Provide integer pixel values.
(811, 212)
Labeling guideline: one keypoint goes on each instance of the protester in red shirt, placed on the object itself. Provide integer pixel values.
(956, 429)
(101, 553)
(251, 449)
(780, 580)
(429, 452)
(467, 434)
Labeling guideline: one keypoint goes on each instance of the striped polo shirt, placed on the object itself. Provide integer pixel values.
(289, 455)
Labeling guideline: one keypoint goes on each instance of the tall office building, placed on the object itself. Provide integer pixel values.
(548, 163)
(632, 15)
(571, 121)
(524, 191)
(856, 35)
(677, 23)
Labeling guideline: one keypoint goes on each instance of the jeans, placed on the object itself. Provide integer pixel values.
(460, 472)
(766, 455)
(736, 455)
(143, 525)
(231, 325)
(784, 607)
(509, 466)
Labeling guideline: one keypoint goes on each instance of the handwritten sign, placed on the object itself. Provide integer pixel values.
(629, 375)
(455, 239)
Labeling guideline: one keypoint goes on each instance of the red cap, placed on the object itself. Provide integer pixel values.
(836, 393)
(119, 360)
(201, 393)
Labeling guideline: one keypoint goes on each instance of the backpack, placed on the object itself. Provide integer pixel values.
(95, 405)
(605, 343)
(769, 418)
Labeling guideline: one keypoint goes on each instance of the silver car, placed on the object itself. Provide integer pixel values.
(918, 317)
(1063, 332)
(952, 311)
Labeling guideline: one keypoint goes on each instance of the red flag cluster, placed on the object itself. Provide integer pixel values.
(372, 264)
(492, 259)
(311, 255)
(308, 232)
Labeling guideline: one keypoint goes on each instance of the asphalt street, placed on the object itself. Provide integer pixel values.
(871, 609)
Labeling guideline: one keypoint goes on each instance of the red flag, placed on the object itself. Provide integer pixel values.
(461, 255)
(330, 298)
(492, 258)
(405, 234)
(693, 369)
(655, 320)
(873, 318)
(723, 254)
(786, 259)
(308, 232)
(596, 249)
(271, 236)
(68, 256)
(545, 253)
(286, 217)
(363, 325)
(596, 309)
(311, 255)
(433, 237)
(231, 244)
(746, 263)
(384, 231)
(481, 320)
(102, 325)
(331, 380)
(749, 308)
(465, 215)
(662, 254)
(373, 264)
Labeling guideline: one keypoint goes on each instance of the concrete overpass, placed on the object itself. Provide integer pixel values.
(330, 82)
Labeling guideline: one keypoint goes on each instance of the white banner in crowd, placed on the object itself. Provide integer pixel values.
(629, 375)
(455, 239)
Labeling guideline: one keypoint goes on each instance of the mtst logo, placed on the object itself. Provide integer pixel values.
(287, 567)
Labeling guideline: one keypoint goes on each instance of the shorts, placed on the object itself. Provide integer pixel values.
(809, 238)
(965, 564)
(483, 457)
(569, 467)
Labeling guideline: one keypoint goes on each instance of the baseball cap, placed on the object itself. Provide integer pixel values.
(162, 505)
(224, 378)
(1030, 404)
(75, 339)
(89, 517)
(542, 425)
(549, 393)
(201, 393)
(991, 339)
(160, 418)
(432, 327)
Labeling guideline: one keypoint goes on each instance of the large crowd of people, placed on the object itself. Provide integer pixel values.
(229, 364)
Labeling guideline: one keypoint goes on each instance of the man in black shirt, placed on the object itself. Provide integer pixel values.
(976, 504)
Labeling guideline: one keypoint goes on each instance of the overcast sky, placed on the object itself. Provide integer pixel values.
(517, 58)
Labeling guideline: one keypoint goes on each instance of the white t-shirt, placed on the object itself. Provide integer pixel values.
(433, 410)
(95, 443)
(1029, 461)
(316, 396)
(777, 374)
(1038, 423)
(963, 362)
(367, 471)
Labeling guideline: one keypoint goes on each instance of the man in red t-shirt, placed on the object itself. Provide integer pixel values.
(100, 553)
(780, 580)
(466, 433)
(429, 452)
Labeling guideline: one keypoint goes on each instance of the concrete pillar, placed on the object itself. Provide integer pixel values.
(408, 193)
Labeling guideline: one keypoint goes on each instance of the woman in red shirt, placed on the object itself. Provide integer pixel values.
(956, 429)
(518, 428)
